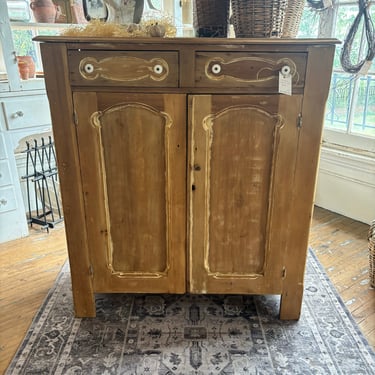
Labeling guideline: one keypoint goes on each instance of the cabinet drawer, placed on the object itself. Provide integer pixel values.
(244, 70)
(24, 112)
(7, 199)
(132, 68)
(5, 176)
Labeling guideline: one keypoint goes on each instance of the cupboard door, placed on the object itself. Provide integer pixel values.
(133, 169)
(242, 157)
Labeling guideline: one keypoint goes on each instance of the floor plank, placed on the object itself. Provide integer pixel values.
(29, 266)
(342, 247)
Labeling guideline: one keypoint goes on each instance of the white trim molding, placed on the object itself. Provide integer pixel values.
(346, 182)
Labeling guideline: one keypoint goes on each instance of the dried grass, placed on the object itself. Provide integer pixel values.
(149, 28)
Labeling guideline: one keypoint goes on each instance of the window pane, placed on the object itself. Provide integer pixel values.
(23, 43)
(155, 3)
(364, 110)
(25, 46)
(345, 18)
(339, 100)
(350, 106)
(309, 25)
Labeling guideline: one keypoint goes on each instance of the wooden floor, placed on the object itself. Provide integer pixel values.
(342, 247)
(28, 268)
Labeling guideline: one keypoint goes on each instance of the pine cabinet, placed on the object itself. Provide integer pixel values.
(183, 169)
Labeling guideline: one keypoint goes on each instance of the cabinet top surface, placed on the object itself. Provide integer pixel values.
(186, 41)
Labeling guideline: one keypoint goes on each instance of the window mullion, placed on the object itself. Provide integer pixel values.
(352, 103)
(355, 91)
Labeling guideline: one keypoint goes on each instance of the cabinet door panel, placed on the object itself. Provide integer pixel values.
(135, 186)
(133, 170)
(239, 166)
(242, 158)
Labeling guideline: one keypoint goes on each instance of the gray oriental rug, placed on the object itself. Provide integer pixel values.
(195, 335)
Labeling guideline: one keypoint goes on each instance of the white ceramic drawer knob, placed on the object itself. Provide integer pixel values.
(17, 114)
(88, 68)
(216, 69)
(285, 70)
(158, 69)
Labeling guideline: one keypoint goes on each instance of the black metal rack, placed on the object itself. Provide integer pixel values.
(42, 184)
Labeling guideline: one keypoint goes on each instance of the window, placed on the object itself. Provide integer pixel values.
(23, 43)
(350, 111)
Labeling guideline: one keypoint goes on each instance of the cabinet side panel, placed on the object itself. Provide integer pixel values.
(318, 73)
(60, 100)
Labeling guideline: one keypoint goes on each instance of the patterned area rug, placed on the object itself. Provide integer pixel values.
(195, 335)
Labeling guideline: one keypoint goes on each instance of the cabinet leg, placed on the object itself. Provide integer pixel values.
(84, 304)
(291, 303)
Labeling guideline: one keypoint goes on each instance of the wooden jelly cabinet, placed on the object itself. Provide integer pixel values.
(182, 167)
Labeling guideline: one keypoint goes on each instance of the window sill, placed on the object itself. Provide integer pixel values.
(356, 144)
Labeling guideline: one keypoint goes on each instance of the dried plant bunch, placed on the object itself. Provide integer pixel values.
(162, 27)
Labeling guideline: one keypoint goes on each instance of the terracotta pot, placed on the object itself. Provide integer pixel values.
(23, 68)
(28, 60)
(45, 11)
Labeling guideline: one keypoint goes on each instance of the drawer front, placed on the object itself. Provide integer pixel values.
(27, 111)
(7, 199)
(126, 69)
(5, 175)
(258, 70)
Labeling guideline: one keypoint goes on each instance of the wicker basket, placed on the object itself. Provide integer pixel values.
(258, 18)
(211, 18)
(371, 248)
(293, 15)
